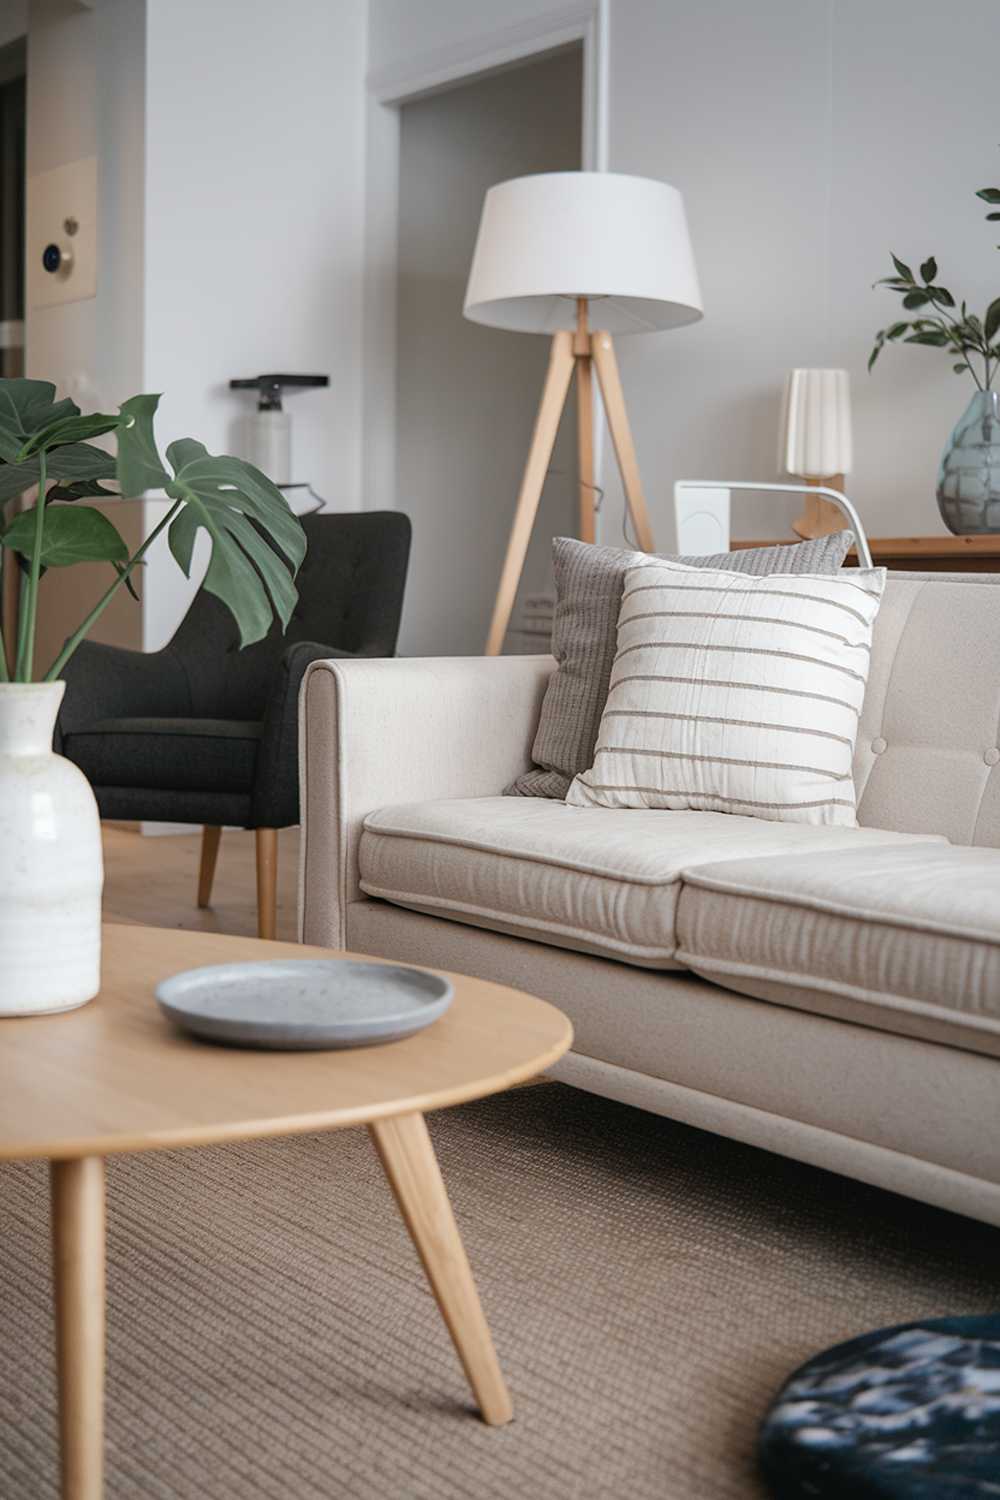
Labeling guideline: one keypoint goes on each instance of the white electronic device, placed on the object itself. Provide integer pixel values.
(701, 516)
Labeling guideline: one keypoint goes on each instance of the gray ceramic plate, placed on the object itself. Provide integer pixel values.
(300, 1004)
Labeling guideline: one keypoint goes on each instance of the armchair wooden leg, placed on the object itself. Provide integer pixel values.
(267, 882)
(210, 838)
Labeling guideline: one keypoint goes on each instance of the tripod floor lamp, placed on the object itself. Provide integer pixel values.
(557, 254)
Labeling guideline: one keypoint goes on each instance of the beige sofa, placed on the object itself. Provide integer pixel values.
(830, 994)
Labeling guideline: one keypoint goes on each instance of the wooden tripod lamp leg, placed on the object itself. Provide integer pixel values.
(613, 396)
(585, 445)
(584, 422)
(560, 372)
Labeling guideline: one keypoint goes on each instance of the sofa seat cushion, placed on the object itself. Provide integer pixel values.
(906, 938)
(204, 755)
(600, 880)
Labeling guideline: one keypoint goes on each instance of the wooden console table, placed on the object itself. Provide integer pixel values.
(924, 554)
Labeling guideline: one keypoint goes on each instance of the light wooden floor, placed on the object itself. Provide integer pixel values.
(154, 881)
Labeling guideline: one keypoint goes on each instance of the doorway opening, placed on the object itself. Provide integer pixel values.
(466, 395)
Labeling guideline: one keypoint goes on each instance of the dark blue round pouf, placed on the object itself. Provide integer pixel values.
(905, 1413)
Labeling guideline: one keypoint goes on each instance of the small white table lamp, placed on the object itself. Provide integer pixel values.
(549, 246)
(815, 442)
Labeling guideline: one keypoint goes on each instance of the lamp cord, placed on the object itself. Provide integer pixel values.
(630, 542)
(598, 491)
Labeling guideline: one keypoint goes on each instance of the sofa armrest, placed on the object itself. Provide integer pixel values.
(374, 733)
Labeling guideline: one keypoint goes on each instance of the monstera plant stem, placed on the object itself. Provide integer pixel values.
(78, 635)
(26, 634)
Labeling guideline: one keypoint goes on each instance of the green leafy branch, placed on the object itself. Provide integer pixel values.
(962, 332)
(940, 325)
(992, 196)
(257, 544)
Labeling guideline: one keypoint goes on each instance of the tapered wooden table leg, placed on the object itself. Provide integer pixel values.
(408, 1159)
(77, 1189)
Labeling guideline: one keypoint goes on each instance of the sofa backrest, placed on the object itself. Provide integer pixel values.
(928, 751)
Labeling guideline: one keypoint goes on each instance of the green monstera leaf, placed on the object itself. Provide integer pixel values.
(71, 429)
(226, 496)
(140, 467)
(82, 489)
(78, 464)
(70, 534)
(32, 421)
(26, 407)
(257, 543)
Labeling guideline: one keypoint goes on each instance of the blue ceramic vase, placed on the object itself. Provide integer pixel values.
(968, 492)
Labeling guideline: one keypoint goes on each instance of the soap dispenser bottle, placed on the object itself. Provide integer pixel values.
(267, 442)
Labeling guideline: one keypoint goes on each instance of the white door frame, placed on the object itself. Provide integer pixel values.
(388, 88)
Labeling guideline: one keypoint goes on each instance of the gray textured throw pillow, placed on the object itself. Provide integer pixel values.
(589, 582)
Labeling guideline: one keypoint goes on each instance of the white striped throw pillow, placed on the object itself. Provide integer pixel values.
(736, 694)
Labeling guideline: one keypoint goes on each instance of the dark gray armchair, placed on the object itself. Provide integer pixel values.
(202, 732)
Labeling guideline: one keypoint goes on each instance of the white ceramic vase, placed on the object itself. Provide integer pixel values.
(51, 867)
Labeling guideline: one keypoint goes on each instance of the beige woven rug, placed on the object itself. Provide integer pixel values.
(648, 1286)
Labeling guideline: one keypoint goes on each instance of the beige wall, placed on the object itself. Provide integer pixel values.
(85, 98)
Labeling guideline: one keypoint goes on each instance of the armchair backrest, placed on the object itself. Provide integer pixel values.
(350, 597)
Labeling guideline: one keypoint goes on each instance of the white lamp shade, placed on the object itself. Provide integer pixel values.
(546, 240)
(815, 441)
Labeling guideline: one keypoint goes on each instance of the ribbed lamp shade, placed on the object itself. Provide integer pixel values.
(546, 240)
(815, 440)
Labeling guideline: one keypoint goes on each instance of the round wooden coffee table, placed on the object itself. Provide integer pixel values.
(115, 1076)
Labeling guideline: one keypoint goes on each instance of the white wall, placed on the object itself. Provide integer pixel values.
(401, 30)
(467, 395)
(809, 138)
(254, 231)
(914, 134)
(230, 140)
